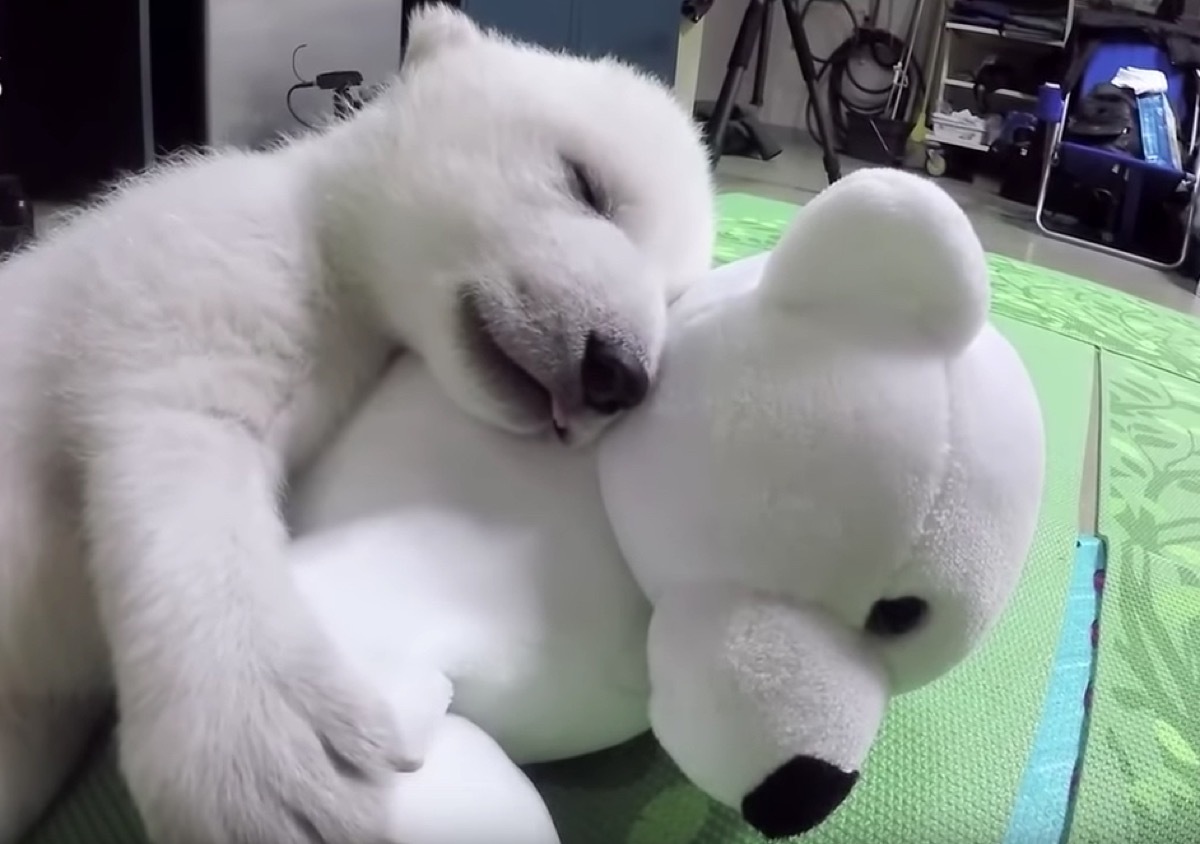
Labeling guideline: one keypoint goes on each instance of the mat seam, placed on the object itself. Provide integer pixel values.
(1115, 352)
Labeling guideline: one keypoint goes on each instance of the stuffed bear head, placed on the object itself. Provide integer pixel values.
(830, 497)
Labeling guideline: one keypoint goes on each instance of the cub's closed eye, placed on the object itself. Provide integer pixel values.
(585, 189)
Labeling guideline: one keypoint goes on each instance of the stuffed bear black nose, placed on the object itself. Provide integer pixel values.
(797, 797)
(613, 378)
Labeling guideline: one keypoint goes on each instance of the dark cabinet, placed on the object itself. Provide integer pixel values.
(72, 105)
(90, 91)
(642, 32)
(544, 22)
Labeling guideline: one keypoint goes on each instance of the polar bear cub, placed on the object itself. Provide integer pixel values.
(518, 219)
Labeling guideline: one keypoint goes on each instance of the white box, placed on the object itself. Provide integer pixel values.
(958, 132)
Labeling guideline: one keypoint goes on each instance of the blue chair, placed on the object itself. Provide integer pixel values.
(1134, 183)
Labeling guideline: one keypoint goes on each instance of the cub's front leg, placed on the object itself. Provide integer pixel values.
(240, 723)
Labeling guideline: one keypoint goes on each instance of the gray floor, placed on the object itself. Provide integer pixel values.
(1005, 227)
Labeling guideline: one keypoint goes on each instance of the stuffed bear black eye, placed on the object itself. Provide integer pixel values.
(895, 617)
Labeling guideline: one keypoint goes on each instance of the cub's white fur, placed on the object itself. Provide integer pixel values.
(171, 356)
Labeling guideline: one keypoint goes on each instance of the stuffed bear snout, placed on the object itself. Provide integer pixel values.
(768, 705)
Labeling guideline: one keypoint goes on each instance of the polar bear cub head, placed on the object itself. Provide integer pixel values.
(524, 218)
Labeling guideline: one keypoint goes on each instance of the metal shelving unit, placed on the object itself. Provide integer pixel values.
(954, 84)
(1025, 37)
(1002, 93)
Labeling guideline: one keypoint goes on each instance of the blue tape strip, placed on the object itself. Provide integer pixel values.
(1043, 801)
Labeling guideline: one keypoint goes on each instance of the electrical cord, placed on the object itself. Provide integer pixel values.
(885, 50)
(850, 13)
(880, 46)
(291, 110)
(301, 84)
(348, 94)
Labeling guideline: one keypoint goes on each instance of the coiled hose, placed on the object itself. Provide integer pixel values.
(880, 46)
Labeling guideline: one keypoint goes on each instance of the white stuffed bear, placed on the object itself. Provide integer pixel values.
(826, 501)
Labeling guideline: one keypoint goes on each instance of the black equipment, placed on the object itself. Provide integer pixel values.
(726, 115)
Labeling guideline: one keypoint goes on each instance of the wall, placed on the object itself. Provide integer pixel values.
(688, 60)
(827, 25)
(250, 45)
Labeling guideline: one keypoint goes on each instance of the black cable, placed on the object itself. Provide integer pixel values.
(883, 47)
(886, 50)
(288, 99)
(850, 13)
(301, 83)
(295, 72)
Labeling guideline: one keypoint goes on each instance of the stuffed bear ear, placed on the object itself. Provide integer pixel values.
(885, 254)
(433, 27)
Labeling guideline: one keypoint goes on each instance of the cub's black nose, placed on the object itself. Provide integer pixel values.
(613, 378)
(797, 797)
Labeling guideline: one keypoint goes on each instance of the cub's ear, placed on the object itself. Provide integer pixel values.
(433, 27)
(883, 254)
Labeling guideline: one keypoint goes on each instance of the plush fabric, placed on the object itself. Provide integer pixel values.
(825, 502)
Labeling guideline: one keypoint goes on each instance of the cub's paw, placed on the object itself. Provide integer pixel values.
(291, 751)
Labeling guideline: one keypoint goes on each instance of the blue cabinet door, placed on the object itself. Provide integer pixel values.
(642, 32)
(544, 22)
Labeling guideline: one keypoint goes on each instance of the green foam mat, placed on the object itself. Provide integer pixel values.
(1083, 310)
(94, 809)
(949, 760)
(950, 757)
(1140, 777)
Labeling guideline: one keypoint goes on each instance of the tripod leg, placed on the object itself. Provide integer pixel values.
(764, 56)
(739, 60)
(808, 69)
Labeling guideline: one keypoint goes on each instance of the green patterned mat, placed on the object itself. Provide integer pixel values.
(1140, 772)
(949, 759)
(931, 775)
(1083, 310)
(1141, 769)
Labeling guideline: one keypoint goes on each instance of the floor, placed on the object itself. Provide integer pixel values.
(1006, 228)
